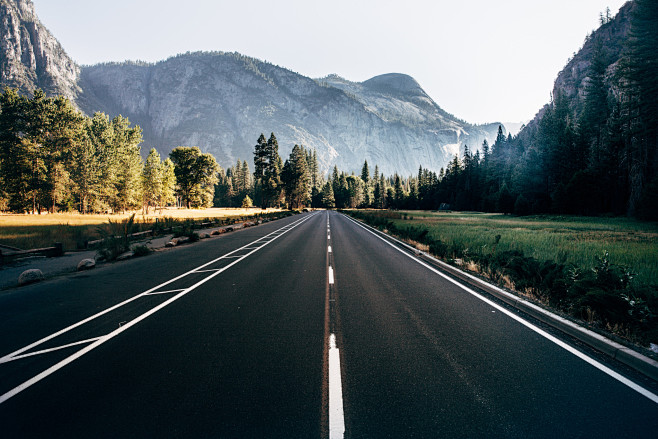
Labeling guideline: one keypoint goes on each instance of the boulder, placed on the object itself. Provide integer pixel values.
(86, 264)
(30, 276)
(204, 236)
(126, 255)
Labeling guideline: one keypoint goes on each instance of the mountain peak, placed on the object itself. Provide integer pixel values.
(394, 82)
(31, 57)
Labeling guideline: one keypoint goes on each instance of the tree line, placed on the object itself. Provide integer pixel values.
(54, 158)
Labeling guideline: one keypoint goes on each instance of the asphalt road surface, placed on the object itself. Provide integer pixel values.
(308, 327)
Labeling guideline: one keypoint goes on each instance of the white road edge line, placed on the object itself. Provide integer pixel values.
(15, 391)
(641, 390)
(336, 414)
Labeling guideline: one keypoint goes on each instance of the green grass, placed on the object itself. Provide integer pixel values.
(564, 239)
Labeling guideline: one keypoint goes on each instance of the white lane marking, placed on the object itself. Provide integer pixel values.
(641, 390)
(45, 351)
(331, 276)
(336, 414)
(329, 249)
(155, 293)
(130, 324)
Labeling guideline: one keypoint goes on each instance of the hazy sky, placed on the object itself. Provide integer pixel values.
(481, 60)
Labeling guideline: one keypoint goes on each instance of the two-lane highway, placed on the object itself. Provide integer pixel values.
(306, 327)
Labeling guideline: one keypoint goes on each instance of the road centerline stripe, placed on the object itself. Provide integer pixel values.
(336, 413)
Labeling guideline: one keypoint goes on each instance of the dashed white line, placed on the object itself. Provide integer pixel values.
(336, 414)
(329, 249)
(331, 276)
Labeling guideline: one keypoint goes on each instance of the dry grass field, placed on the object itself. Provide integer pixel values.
(36, 231)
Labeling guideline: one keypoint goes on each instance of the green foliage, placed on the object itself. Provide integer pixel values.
(152, 179)
(296, 179)
(196, 175)
(268, 168)
(141, 250)
(115, 237)
(247, 202)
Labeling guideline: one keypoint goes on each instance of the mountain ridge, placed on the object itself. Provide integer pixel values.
(222, 101)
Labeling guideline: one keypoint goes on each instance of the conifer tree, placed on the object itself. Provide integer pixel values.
(152, 180)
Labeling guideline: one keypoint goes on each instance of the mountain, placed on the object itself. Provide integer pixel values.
(571, 82)
(221, 102)
(30, 57)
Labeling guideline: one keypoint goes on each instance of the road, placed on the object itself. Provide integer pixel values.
(307, 327)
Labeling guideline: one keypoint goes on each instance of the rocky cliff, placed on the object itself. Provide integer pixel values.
(30, 57)
(572, 80)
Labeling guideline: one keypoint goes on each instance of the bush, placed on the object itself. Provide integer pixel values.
(116, 237)
(141, 250)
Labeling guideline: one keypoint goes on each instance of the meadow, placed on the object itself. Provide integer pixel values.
(73, 229)
(564, 239)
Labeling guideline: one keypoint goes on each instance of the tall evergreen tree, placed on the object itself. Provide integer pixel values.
(152, 180)
(297, 179)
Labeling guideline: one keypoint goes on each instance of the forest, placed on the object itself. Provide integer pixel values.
(592, 154)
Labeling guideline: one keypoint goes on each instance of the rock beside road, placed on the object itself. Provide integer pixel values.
(86, 264)
(30, 276)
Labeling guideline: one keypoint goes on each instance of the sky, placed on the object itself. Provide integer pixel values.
(481, 60)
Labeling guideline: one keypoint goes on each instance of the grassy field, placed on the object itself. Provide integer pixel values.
(71, 229)
(564, 239)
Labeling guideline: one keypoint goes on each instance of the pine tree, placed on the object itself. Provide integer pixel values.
(297, 179)
(641, 71)
(16, 157)
(267, 173)
(167, 194)
(128, 166)
(365, 173)
(328, 200)
(152, 179)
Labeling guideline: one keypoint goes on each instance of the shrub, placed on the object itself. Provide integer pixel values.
(141, 250)
(116, 237)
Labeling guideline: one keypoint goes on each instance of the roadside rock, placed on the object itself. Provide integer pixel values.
(30, 276)
(86, 264)
(170, 244)
(204, 236)
(126, 255)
